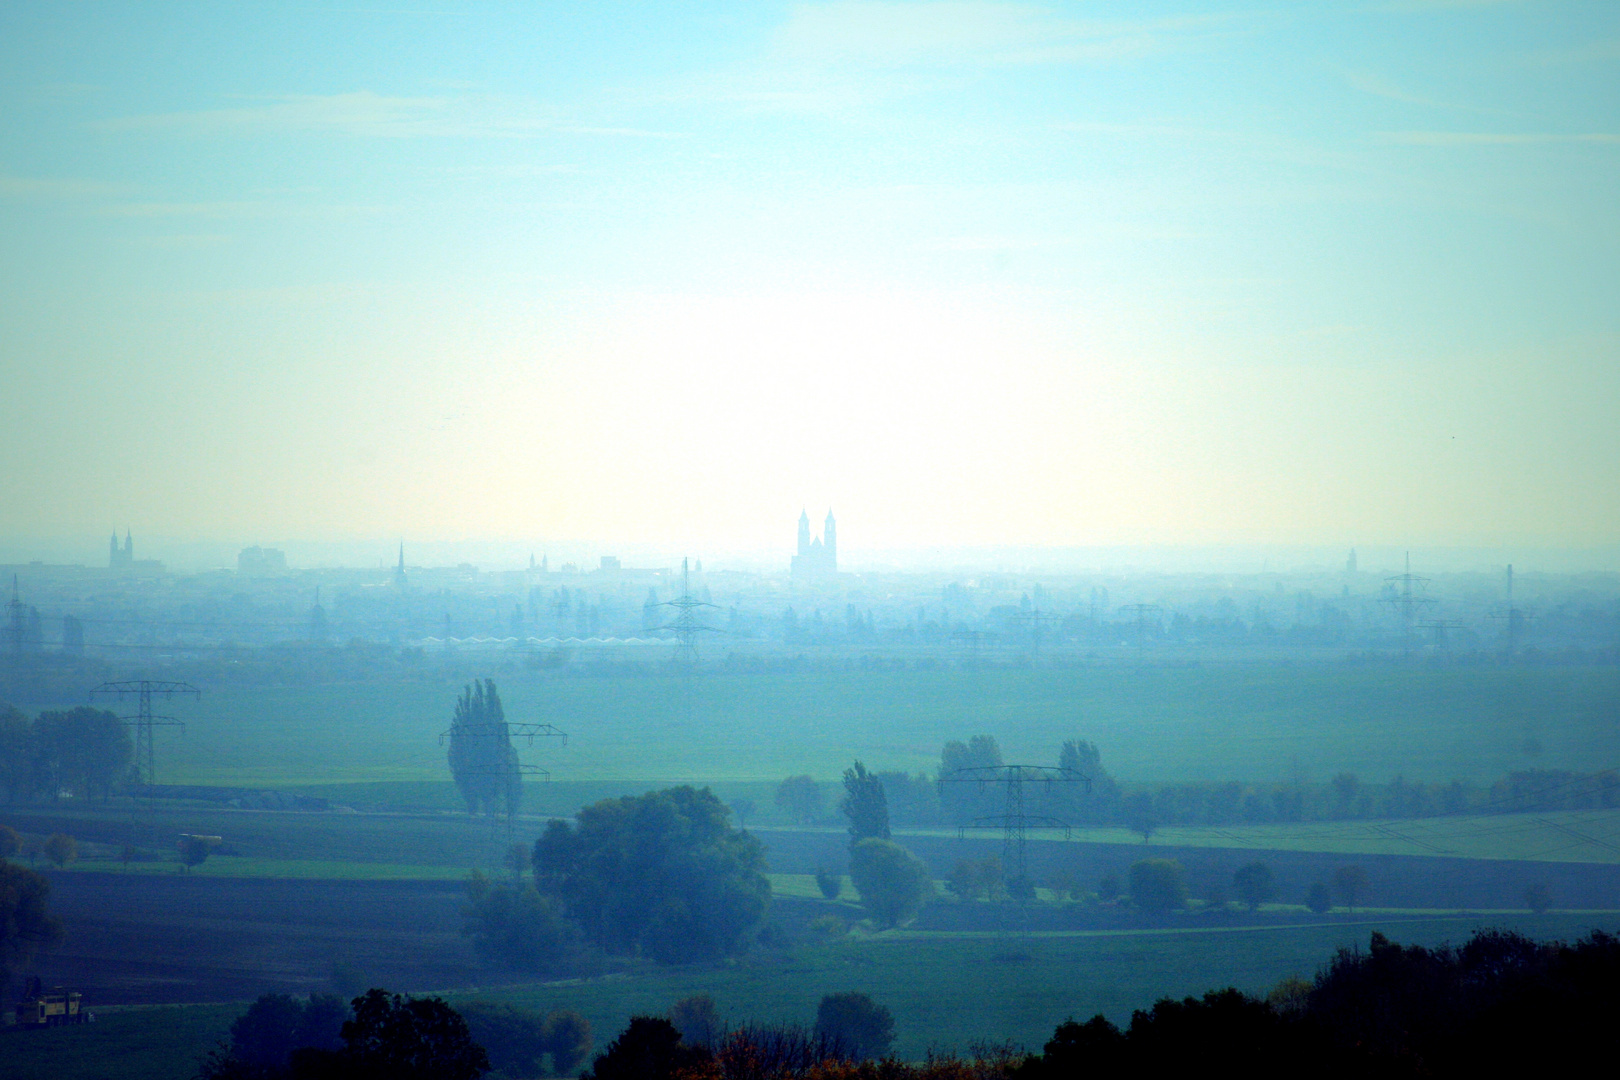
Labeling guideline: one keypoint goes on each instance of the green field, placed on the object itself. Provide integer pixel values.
(1258, 723)
(946, 990)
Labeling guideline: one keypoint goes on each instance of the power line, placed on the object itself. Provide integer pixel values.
(144, 721)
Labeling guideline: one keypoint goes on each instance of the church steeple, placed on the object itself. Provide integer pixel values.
(804, 532)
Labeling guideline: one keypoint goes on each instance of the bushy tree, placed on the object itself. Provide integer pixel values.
(483, 762)
(698, 1020)
(1349, 885)
(393, 1037)
(263, 1039)
(1319, 898)
(513, 926)
(1254, 884)
(16, 753)
(856, 1025)
(61, 849)
(662, 875)
(801, 797)
(1084, 758)
(517, 1039)
(83, 750)
(26, 923)
(649, 1048)
(865, 805)
(893, 884)
(1141, 815)
(1158, 885)
(830, 882)
(964, 800)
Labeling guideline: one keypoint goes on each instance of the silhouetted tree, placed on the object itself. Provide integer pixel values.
(650, 1048)
(26, 923)
(1141, 816)
(864, 805)
(483, 762)
(830, 882)
(858, 1026)
(16, 753)
(1254, 884)
(661, 874)
(1319, 898)
(1158, 885)
(86, 751)
(61, 849)
(517, 1039)
(697, 1019)
(1349, 885)
(393, 1037)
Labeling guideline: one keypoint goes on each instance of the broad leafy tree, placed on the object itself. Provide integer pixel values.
(513, 926)
(662, 875)
(1254, 884)
(858, 1027)
(801, 797)
(1158, 885)
(892, 882)
(26, 923)
(86, 751)
(650, 1048)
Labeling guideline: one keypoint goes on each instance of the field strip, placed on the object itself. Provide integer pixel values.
(1439, 916)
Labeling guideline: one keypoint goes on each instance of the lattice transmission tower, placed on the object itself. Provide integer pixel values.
(685, 625)
(144, 722)
(1015, 820)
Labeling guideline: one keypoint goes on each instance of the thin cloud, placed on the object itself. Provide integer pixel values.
(968, 32)
(28, 187)
(360, 113)
(1492, 138)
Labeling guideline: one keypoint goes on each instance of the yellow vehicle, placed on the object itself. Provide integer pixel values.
(48, 1008)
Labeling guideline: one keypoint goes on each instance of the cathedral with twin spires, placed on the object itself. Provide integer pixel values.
(817, 557)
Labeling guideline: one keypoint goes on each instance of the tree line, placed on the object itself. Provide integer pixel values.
(80, 753)
(924, 800)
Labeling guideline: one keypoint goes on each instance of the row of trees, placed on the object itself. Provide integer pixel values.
(79, 753)
(1161, 885)
(925, 801)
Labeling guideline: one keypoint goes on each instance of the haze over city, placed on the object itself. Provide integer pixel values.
(852, 540)
(975, 274)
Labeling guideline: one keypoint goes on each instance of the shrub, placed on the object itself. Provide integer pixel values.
(830, 882)
(1158, 885)
(857, 1026)
(893, 883)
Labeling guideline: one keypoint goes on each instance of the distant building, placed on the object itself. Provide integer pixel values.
(121, 558)
(399, 571)
(611, 564)
(261, 562)
(1350, 563)
(817, 557)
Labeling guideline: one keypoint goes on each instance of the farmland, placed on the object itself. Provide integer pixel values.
(1258, 723)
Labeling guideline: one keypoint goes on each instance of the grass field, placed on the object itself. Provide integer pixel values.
(947, 991)
(1258, 723)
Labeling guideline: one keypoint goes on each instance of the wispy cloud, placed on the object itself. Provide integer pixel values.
(361, 113)
(974, 32)
(1493, 138)
(847, 54)
(29, 187)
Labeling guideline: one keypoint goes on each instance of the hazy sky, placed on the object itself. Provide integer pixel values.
(970, 273)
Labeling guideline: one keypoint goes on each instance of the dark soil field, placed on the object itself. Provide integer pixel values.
(149, 938)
